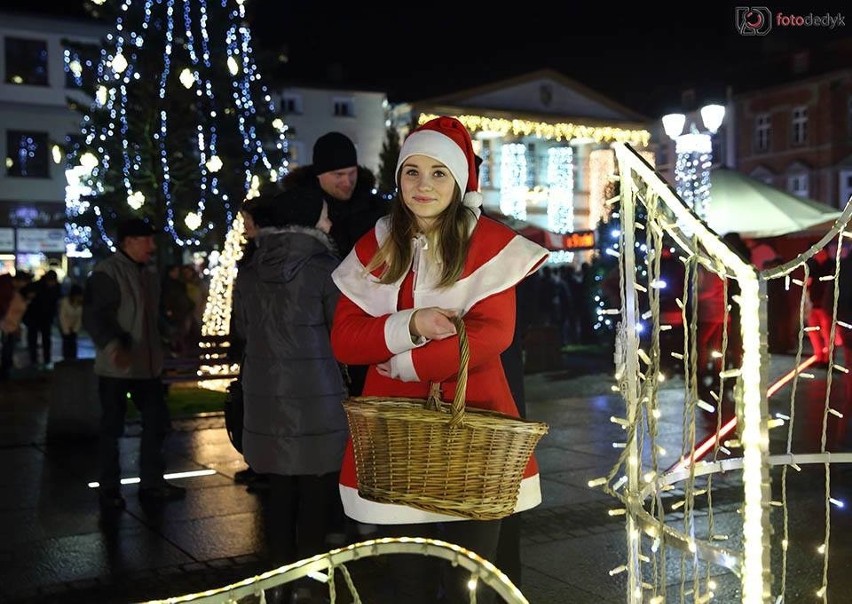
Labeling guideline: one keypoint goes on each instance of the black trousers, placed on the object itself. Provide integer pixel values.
(69, 346)
(33, 333)
(149, 397)
(8, 341)
(419, 579)
(297, 515)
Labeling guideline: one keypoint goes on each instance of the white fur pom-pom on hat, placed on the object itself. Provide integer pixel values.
(447, 140)
(472, 199)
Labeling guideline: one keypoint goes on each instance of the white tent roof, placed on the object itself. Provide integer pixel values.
(741, 204)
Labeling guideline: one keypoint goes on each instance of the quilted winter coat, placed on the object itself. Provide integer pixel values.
(284, 301)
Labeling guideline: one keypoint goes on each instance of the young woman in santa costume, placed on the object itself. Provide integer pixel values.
(432, 258)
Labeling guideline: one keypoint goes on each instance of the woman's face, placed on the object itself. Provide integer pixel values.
(427, 188)
(249, 227)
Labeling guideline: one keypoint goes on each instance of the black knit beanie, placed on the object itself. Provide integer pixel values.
(300, 206)
(334, 151)
(134, 227)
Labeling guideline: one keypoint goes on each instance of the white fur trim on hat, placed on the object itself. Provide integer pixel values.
(432, 143)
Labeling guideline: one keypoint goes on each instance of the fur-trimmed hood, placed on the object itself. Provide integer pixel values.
(283, 251)
(350, 219)
(307, 176)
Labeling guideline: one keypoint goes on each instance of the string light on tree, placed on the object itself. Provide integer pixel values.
(181, 124)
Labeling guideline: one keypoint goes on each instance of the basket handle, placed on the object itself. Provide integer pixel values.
(457, 407)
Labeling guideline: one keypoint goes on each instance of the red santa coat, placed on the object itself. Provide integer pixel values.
(371, 327)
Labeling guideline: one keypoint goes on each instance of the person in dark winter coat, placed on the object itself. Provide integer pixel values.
(295, 428)
(43, 306)
(256, 214)
(353, 205)
(120, 308)
(348, 189)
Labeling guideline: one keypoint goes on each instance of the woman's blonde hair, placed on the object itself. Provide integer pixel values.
(449, 240)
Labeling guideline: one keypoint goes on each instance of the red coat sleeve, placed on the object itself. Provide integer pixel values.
(490, 326)
(356, 337)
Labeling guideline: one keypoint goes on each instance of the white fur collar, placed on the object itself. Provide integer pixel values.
(312, 231)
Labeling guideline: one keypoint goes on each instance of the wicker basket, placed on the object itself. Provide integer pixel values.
(440, 457)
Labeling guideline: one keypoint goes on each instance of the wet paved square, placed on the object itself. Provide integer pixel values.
(55, 547)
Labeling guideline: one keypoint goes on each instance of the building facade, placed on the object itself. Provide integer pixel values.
(35, 126)
(797, 136)
(545, 141)
(312, 111)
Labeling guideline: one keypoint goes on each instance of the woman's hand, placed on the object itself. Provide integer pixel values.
(432, 323)
(384, 369)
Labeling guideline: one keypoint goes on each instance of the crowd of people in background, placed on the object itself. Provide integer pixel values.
(37, 310)
(183, 297)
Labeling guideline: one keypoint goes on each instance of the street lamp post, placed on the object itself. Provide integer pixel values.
(694, 150)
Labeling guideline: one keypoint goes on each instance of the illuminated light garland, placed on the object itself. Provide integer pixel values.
(667, 215)
(323, 566)
(513, 180)
(754, 438)
(560, 131)
(560, 177)
(692, 170)
(216, 320)
(601, 170)
(700, 451)
(204, 55)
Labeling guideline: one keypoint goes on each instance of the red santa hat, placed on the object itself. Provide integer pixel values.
(446, 140)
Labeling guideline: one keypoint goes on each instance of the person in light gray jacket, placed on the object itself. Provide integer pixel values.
(120, 312)
(295, 428)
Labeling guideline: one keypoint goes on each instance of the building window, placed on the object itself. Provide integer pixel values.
(297, 153)
(797, 184)
(80, 68)
(762, 130)
(28, 154)
(344, 107)
(800, 125)
(26, 62)
(291, 104)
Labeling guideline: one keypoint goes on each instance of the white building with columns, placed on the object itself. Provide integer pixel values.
(545, 144)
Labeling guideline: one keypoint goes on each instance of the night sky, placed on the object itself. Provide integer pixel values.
(640, 54)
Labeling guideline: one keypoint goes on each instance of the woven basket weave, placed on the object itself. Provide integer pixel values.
(441, 457)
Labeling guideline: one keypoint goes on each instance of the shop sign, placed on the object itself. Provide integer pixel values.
(578, 240)
(41, 240)
(7, 240)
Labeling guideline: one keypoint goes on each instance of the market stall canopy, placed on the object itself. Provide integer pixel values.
(744, 205)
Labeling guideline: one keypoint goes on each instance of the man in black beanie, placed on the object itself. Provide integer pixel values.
(353, 205)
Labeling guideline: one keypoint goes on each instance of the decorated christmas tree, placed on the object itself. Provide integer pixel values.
(181, 128)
